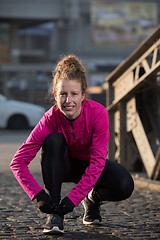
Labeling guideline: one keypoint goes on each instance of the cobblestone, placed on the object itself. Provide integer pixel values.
(132, 219)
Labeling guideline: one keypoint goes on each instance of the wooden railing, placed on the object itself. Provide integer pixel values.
(138, 71)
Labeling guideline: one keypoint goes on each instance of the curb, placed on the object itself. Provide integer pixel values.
(145, 183)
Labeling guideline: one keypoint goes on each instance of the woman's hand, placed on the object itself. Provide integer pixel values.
(45, 202)
(65, 206)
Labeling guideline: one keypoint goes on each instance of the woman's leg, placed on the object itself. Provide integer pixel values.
(57, 166)
(114, 184)
(55, 163)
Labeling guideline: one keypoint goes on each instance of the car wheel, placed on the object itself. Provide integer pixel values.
(18, 122)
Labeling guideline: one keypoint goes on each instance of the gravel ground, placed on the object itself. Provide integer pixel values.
(135, 218)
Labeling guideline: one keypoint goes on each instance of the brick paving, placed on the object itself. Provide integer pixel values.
(135, 218)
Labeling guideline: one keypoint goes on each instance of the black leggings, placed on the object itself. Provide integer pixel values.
(114, 184)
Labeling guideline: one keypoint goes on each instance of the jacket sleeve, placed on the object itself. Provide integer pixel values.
(98, 154)
(26, 153)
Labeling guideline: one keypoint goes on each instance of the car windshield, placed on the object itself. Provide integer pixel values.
(2, 98)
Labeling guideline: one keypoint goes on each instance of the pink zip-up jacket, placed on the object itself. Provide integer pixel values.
(87, 139)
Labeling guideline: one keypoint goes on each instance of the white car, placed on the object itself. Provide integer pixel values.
(19, 115)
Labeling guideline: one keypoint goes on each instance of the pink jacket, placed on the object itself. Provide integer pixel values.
(87, 139)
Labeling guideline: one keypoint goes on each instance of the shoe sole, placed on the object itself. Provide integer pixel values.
(95, 222)
(55, 230)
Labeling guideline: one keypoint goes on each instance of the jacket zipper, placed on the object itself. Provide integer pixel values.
(73, 131)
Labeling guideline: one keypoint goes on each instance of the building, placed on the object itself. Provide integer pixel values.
(34, 34)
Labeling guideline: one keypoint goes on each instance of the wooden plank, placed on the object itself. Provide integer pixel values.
(132, 153)
(123, 84)
(145, 65)
(137, 73)
(111, 144)
(156, 171)
(131, 114)
(117, 121)
(117, 135)
(144, 147)
(110, 95)
(154, 59)
(117, 152)
(123, 149)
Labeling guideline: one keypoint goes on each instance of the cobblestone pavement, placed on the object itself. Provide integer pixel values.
(135, 218)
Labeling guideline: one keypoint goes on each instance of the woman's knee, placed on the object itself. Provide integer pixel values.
(115, 183)
(126, 187)
(123, 180)
(118, 192)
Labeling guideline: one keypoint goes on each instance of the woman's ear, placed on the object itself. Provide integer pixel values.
(84, 95)
(55, 95)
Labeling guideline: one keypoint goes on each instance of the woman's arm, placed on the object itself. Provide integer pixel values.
(26, 153)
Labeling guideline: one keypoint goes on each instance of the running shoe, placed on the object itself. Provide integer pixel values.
(92, 212)
(54, 224)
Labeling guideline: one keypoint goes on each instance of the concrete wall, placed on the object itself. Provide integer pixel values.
(72, 32)
(30, 9)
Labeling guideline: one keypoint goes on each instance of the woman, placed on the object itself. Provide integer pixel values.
(74, 135)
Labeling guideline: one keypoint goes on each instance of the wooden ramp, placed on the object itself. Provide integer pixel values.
(133, 103)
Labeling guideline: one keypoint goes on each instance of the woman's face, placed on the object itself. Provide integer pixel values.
(69, 98)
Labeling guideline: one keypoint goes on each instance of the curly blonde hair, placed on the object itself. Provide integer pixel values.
(70, 68)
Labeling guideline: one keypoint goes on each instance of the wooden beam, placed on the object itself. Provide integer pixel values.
(131, 113)
(144, 147)
(137, 72)
(145, 65)
(154, 59)
(156, 171)
(117, 135)
(123, 149)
